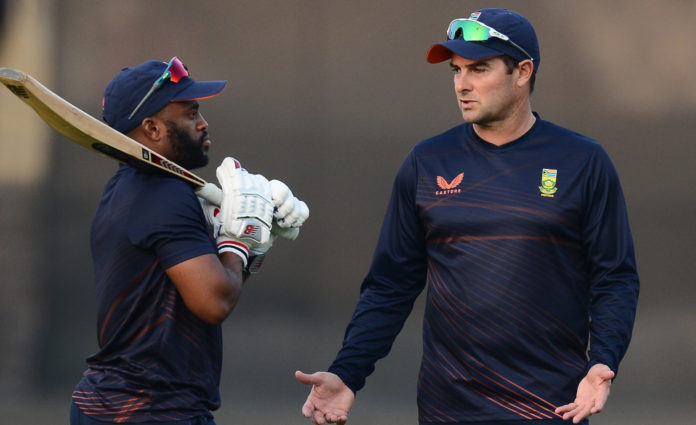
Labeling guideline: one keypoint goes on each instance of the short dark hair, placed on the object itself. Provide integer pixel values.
(512, 63)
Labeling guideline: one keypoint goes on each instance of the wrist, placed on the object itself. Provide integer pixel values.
(227, 244)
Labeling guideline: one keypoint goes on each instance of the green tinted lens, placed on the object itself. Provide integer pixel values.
(468, 30)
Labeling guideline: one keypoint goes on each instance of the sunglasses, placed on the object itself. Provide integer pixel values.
(472, 30)
(174, 72)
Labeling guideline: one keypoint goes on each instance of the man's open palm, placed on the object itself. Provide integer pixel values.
(592, 395)
(329, 400)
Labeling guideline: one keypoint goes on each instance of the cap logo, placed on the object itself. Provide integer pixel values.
(475, 15)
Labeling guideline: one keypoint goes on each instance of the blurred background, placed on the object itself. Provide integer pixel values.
(329, 96)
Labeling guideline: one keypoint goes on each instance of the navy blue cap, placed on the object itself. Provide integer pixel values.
(515, 26)
(130, 85)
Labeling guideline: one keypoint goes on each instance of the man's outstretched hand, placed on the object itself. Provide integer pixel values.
(592, 395)
(329, 400)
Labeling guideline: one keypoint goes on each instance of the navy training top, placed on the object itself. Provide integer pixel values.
(530, 265)
(157, 361)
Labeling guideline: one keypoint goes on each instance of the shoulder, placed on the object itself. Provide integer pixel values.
(570, 142)
(131, 189)
(163, 191)
(586, 153)
(549, 130)
(163, 199)
(152, 184)
(167, 216)
(445, 141)
(434, 150)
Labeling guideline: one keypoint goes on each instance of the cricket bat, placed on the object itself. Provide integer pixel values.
(87, 131)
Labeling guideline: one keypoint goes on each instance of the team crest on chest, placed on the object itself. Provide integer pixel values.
(449, 187)
(548, 182)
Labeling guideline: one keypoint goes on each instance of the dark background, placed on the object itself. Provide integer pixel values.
(329, 96)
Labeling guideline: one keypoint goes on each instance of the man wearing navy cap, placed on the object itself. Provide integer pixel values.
(167, 270)
(519, 227)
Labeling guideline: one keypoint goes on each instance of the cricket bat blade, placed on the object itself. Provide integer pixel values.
(87, 131)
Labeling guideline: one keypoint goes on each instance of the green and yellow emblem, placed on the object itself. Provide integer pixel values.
(548, 182)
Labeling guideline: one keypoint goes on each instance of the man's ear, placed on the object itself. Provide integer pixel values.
(526, 69)
(153, 129)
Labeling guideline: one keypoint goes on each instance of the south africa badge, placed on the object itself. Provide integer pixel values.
(548, 182)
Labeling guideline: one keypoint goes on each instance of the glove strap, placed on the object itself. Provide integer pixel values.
(255, 263)
(229, 245)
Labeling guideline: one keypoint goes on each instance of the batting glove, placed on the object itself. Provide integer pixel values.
(246, 210)
(224, 243)
(288, 210)
(257, 255)
(212, 216)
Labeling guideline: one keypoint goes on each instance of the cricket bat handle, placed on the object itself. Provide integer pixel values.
(213, 194)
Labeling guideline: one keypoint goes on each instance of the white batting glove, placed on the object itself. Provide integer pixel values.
(246, 210)
(212, 215)
(288, 210)
(224, 243)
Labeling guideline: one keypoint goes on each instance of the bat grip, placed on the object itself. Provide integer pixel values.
(213, 194)
(210, 193)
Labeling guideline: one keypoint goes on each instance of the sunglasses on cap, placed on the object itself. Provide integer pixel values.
(472, 30)
(174, 72)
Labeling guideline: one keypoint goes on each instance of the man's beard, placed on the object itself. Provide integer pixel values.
(188, 152)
